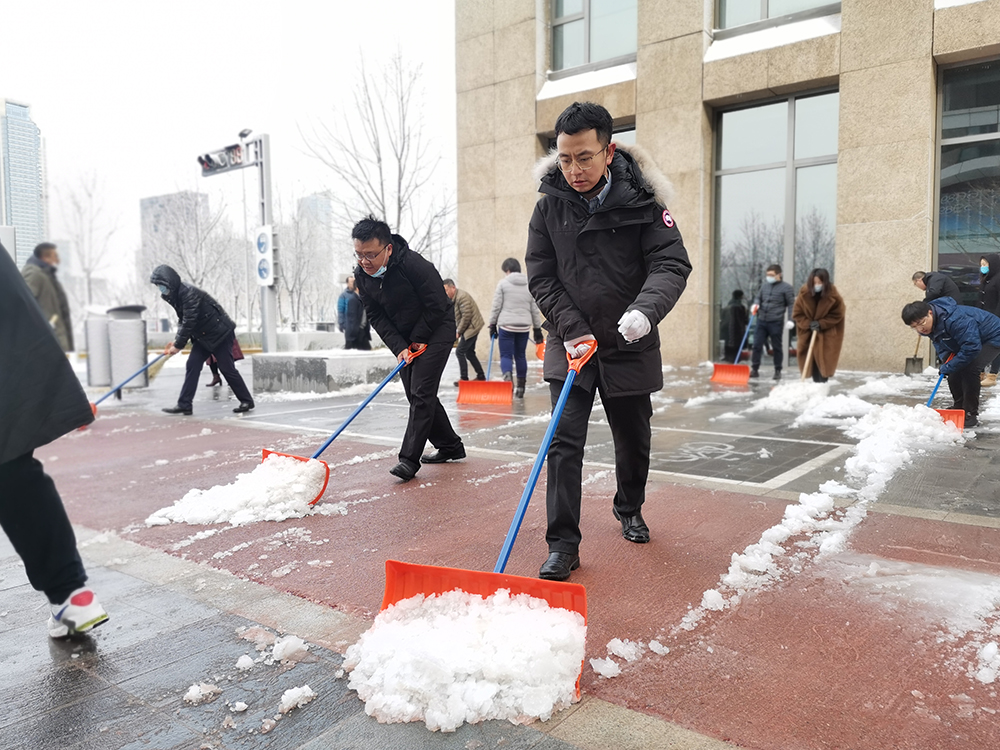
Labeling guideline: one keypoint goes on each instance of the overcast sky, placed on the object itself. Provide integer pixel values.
(134, 91)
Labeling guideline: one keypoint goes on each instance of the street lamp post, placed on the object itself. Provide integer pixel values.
(247, 252)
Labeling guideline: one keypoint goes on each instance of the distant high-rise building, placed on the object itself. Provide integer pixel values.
(22, 189)
(318, 208)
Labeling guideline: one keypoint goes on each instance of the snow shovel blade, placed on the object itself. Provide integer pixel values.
(914, 366)
(403, 580)
(485, 392)
(540, 351)
(725, 374)
(955, 416)
(326, 468)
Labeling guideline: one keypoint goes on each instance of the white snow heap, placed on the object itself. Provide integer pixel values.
(458, 657)
(606, 667)
(279, 488)
(202, 692)
(244, 663)
(290, 648)
(793, 397)
(627, 650)
(295, 697)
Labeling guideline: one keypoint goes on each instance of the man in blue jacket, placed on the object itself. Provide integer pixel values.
(970, 334)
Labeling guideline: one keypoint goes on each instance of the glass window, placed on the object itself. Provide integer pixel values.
(738, 12)
(969, 207)
(754, 136)
(771, 178)
(591, 31)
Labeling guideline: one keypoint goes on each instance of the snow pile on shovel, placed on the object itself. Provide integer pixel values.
(279, 488)
(458, 657)
(889, 437)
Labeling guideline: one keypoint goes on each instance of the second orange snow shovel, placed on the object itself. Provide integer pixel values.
(409, 354)
(403, 580)
(486, 391)
(955, 416)
(734, 374)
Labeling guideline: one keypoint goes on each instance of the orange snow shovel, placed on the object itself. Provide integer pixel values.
(409, 354)
(403, 580)
(955, 416)
(486, 391)
(734, 374)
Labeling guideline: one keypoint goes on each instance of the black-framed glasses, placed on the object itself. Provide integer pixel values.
(370, 258)
(583, 163)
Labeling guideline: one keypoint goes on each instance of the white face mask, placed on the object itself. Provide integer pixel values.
(771, 279)
(817, 288)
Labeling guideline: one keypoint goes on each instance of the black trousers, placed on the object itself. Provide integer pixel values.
(224, 356)
(764, 330)
(466, 350)
(35, 521)
(628, 417)
(428, 419)
(964, 384)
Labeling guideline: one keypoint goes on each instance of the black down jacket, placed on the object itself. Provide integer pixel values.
(989, 293)
(40, 396)
(586, 270)
(199, 316)
(408, 304)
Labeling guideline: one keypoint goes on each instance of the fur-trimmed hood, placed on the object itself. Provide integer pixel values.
(642, 164)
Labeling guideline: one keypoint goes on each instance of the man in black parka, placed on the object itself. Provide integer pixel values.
(203, 321)
(605, 261)
(406, 304)
(40, 400)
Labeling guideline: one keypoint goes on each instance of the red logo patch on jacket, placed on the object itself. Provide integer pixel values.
(668, 220)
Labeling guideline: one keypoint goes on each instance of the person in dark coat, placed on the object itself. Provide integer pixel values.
(971, 334)
(605, 261)
(404, 298)
(39, 273)
(40, 400)
(351, 318)
(774, 301)
(989, 299)
(202, 321)
(935, 285)
(735, 319)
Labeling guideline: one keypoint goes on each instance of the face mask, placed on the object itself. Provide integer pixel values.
(379, 273)
(163, 289)
(984, 270)
(817, 288)
(772, 279)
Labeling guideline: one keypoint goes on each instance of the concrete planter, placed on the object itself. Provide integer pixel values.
(320, 371)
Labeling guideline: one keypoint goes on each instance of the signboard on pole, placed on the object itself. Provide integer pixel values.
(264, 257)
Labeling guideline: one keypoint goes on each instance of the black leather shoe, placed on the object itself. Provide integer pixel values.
(634, 529)
(440, 456)
(777, 375)
(755, 373)
(243, 407)
(405, 470)
(558, 566)
(178, 410)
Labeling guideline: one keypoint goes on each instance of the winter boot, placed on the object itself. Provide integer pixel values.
(508, 377)
(519, 390)
(777, 373)
(754, 373)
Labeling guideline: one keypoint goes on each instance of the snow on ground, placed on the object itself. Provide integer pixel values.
(894, 385)
(279, 488)
(456, 658)
(716, 396)
(361, 389)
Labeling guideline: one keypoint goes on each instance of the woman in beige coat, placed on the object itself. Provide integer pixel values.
(819, 311)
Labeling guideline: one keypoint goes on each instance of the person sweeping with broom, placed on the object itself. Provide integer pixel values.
(819, 312)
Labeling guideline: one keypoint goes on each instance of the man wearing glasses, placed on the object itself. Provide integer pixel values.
(605, 261)
(406, 304)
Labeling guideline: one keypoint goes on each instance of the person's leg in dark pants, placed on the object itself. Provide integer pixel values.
(224, 355)
(470, 354)
(757, 352)
(957, 388)
(427, 418)
(776, 331)
(34, 519)
(520, 360)
(462, 355)
(628, 418)
(506, 341)
(214, 367)
(565, 468)
(971, 385)
(196, 360)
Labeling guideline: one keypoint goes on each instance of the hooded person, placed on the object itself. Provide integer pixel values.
(989, 299)
(201, 320)
(41, 399)
(406, 304)
(605, 262)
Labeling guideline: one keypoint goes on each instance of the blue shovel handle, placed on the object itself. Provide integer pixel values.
(743, 343)
(489, 362)
(937, 385)
(373, 394)
(129, 379)
(536, 469)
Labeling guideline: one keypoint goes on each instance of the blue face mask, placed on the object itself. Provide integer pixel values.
(984, 270)
(771, 279)
(379, 273)
(163, 289)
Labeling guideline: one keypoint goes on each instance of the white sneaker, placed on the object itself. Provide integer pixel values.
(78, 614)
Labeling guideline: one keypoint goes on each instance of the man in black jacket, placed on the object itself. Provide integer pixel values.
(774, 303)
(935, 285)
(40, 400)
(407, 306)
(605, 261)
(202, 320)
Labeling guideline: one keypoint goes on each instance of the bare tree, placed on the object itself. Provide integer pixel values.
(814, 245)
(308, 273)
(89, 227)
(382, 160)
(760, 243)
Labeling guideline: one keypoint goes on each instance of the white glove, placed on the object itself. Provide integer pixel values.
(633, 325)
(754, 309)
(790, 325)
(576, 348)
